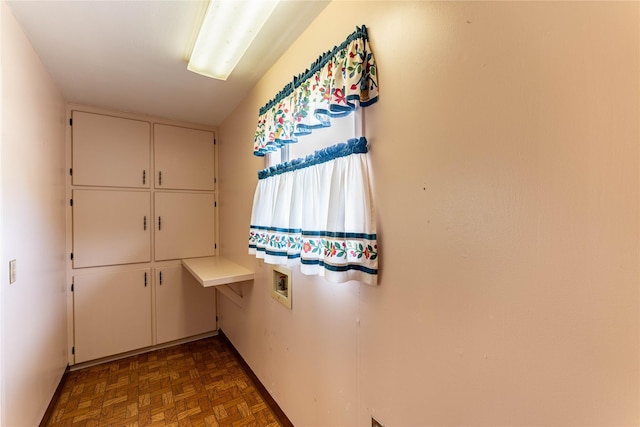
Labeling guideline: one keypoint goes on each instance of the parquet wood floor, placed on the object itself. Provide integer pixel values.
(195, 384)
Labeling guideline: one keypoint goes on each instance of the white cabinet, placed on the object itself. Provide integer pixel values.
(142, 198)
(183, 307)
(183, 158)
(110, 151)
(111, 227)
(184, 225)
(112, 312)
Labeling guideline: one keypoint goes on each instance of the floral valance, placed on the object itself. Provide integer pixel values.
(333, 86)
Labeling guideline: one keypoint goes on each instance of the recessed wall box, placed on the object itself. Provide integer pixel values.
(281, 285)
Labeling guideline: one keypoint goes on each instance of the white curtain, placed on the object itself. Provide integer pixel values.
(318, 213)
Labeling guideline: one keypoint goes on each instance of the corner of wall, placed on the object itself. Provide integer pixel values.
(31, 229)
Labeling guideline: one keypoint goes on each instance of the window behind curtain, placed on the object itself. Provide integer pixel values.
(341, 129)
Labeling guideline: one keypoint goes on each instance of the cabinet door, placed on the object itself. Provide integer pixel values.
(110, 151)
(185, 225)
(111, 227)
(183, 158)
(183, 306)
(112, 313)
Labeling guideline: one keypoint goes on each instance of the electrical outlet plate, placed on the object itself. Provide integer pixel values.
(376, 423)
(12, 271)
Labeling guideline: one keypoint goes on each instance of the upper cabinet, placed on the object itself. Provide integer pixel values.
(110, 151)
(183, 158)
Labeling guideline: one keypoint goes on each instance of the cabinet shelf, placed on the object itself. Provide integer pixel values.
(219, 272)
(216, 271)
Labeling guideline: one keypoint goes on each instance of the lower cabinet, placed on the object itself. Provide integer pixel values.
(114, 309)
(183, 307)
(112, 313)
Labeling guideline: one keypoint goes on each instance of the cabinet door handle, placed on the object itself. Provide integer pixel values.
(161, 278)
(144, 177)
(159, 223)
(145, 279)
(159, 178)
(145, 223)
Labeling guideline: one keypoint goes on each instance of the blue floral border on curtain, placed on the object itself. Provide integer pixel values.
(318, 213)
(339, 80)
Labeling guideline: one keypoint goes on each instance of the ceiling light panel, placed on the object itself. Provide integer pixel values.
(228, 29)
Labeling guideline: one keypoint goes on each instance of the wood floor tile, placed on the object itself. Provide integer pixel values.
(199, 384)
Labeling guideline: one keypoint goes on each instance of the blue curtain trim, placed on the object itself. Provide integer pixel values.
(360, 32)
(310, 233)
(281, 254)
(340, 235)
(343, 149)
(275, 253)
(339, 268)
(278, 229)
(369, 102)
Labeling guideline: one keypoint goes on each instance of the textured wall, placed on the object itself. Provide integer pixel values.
(505, 149)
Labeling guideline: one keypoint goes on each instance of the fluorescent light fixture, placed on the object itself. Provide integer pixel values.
(228, 28)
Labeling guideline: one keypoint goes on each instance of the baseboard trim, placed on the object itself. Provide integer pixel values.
(273, 405)
(108, 359)
(54, 400)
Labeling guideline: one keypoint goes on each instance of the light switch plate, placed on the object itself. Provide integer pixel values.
(12, 271)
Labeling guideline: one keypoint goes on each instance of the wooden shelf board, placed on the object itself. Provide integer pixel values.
(216, 271)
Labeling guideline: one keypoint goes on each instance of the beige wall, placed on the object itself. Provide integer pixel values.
(505, 148)
(33, 342)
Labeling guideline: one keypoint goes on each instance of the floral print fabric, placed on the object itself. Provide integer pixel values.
(335, 84)
(318, 213)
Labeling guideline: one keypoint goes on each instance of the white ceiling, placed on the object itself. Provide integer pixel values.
(132, 55)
